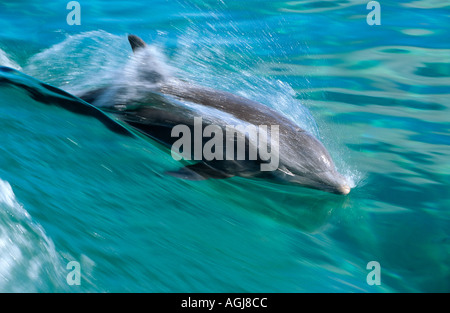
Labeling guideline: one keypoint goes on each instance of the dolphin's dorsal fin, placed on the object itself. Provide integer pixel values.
(136, 42)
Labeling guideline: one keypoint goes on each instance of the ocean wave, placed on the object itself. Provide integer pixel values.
(5, 60)
(29, 261)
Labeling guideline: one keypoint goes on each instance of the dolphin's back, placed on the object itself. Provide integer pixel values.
(242, 108)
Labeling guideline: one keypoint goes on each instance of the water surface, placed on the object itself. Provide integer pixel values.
(376, 96)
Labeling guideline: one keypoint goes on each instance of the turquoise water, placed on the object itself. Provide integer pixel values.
(71, 189)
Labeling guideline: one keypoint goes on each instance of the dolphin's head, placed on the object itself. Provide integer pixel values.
(329, 181)
(308, 163)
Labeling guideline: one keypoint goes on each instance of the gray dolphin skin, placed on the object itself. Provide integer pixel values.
(158, 101)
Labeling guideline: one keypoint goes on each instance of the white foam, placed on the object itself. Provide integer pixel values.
(143, 72)
(28, 259)
(80, 62)
(5, 60)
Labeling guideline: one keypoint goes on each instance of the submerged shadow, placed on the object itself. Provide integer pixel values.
(305, 209)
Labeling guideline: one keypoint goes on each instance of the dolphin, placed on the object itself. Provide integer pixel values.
(155, 101)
